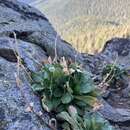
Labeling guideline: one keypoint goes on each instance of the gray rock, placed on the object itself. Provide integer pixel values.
(32, 55)
(106, 94)
(32, 26)
(36, 40)
(14, 100)
(123, 112)
(114, 115)
(116, 50)
(117, 47)
(126, 92)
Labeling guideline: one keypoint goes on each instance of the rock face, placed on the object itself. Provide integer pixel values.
(14, 100)
(25, 33)
(116, 50)
(31, 54)
(32, 26)
(116, 109)
(116, 104)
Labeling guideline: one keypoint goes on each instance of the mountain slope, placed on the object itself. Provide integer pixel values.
(87, 24)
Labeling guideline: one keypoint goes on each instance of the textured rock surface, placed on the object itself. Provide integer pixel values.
(15, 99)
(32, 55)
(114, 115)
(117, 104)
(116, 108)
(32, 26)
(116, 50)
(36, 40)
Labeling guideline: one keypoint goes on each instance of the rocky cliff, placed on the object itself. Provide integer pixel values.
(26, 34)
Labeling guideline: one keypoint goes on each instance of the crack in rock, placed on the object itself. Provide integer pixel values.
(32, 55)
(8, 54)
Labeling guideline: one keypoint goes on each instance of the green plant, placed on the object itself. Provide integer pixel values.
(68, 90)
(113, 74)
(62, 84)
(90, 121)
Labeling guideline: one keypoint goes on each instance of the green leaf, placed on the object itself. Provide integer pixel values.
(69, 89)
(61, 107)
(50, 104)
(66, 126)
(37, 77)
(58, 73)
(80, 110)
(87, 123)
(94, 121)
(87, 85)
(47, 105)
(57, 92)
(77, 88)
(87, 99)
(80, 103)
(37, 87)
(67, 98)
(46, 76)
(56, 102)
(65, 116)
(52, 69)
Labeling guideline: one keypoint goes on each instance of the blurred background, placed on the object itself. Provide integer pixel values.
(87, 24)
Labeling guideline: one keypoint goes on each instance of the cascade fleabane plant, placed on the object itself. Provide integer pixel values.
(61, 85)
(68, 91)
